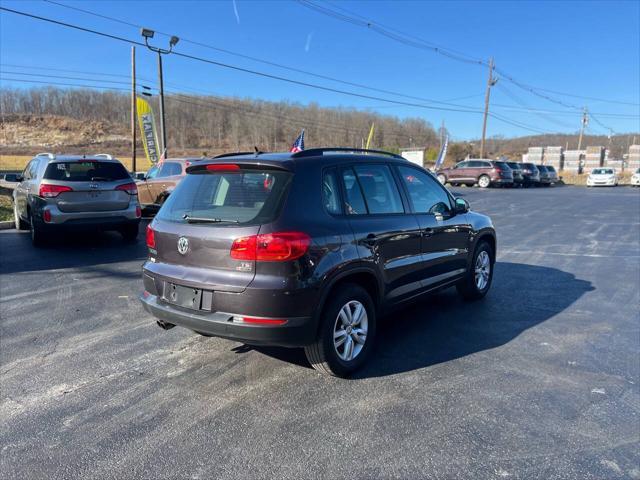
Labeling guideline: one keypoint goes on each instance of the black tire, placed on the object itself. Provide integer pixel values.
(37, 235)
(19, 223)
(130, 232)
(467, 287)
(323, 354)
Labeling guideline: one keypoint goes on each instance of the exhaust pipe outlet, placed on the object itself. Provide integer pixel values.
(165, 326)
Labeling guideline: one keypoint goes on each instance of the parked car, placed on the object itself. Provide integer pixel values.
(530, 175)
(635, 178)
(516, 169)
(160, 180)
(602, 177)
(482, 172)
(545, 176)
(308, 249)
(553, 174)
(64, 192)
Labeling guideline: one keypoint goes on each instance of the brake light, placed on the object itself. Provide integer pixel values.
(223, 167)
(130, 188)
(271, 247)
(151, 237)
(52, 191)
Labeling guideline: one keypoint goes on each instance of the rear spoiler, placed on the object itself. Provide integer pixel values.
(235, 166)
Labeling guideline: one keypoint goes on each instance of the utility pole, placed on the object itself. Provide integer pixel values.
(585, 121)
(133, 108)
(490, 83)
(442, 130)
(163, 132)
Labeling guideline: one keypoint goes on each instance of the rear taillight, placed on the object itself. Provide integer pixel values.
(130, 188)
(271, 247)
(51, 191)
(223, 167)
(138, 212)
(46, 215)
(151, 237)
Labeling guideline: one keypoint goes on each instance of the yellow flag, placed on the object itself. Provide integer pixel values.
(148, 129)
(370, 136)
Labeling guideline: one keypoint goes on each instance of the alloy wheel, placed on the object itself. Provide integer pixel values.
(350, 330)
(483, 270)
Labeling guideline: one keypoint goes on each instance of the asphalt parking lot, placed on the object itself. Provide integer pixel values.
(539, 380)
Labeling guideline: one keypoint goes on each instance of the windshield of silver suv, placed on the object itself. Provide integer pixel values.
(237, 196)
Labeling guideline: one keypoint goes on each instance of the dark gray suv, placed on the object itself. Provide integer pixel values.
(309, 249)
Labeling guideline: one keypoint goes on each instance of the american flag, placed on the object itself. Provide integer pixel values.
(298, 145)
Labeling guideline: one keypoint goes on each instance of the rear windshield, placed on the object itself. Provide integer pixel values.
(247, 197)
(530, 166)
(542, 168)
(514, 166)
(504, 165)
(86, 171)
(550, 169)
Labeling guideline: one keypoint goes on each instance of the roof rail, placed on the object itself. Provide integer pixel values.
(46, 154)
(235, 154)
(105, 155)
(319, 151)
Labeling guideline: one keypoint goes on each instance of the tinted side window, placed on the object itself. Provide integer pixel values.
(152, 172)
(462, 165)
(27, 169)
(477, 164)
(33, 170)
(380, 190)
(169, 169)
(354, 202)
(426, 194)
(330, 195)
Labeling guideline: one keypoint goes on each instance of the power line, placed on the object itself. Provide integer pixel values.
(241, 69)
(417, 42)
(260, 60)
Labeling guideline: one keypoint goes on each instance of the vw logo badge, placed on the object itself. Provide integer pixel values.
(183, 245)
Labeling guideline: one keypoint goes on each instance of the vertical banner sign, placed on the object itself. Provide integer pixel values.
(442, 155)
(370, 137)
(148, 129)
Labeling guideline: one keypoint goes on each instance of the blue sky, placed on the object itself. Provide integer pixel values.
(589, 49)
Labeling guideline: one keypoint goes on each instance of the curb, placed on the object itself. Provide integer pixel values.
(6, 225)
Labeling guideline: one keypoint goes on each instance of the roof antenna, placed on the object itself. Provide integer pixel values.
(258, 152)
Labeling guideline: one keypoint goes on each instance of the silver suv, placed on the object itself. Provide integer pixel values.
(76, 192)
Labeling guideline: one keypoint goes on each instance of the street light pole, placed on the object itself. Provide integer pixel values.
(163, 131)
(147, 34)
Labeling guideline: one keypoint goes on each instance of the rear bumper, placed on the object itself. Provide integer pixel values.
(85, 224)
(296, 332)
(502, 181)
(83, 220)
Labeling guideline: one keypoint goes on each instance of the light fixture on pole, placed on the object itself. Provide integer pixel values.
(173, 41)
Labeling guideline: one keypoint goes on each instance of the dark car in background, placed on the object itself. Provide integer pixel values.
(530, 175)
(58, 193)
(518, 177)
(552, 174)
(545, 177)
(484, 173)
(309, 249)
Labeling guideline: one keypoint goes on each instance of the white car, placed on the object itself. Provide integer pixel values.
(635, 178)
(602, 177)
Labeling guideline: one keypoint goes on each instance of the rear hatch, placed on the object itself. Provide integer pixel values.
(89, 185)
(209, 210)
(504, 170)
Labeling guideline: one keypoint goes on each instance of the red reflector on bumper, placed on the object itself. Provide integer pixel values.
(259, 321)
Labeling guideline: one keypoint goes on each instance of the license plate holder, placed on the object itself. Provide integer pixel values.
(185, 297)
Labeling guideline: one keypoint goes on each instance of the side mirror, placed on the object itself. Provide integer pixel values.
(12, 177)
(461, 205)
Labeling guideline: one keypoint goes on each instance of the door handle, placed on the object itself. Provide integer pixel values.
(371, 239)
(427, 232)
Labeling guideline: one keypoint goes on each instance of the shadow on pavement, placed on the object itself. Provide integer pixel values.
(70, 250)
(443, 327)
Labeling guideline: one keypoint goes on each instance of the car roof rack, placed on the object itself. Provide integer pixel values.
(104, 155)
(46, 154)
(320, 151)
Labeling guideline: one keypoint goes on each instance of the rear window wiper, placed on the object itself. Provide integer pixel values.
(190, 219)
